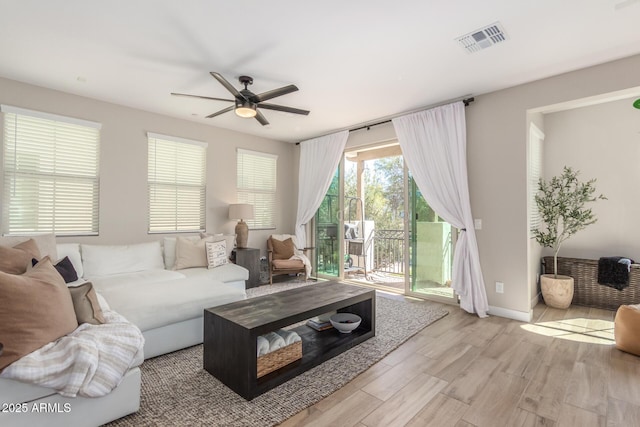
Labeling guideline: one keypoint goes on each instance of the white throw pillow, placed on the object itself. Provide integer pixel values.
(170, 250)
(230, 240)
(71, 250)
(102, 260)
(216, 253)
(191, 254)
(46, 243)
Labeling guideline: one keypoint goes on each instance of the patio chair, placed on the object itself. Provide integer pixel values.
(281, 250)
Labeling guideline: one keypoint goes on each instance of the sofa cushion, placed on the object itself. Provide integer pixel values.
(17, 391)
(128, 280)
(287, 264)
(35, 309)
(86, 305)
(190, 253)
(16, 259)
(216, 254)
(46, 244)
(71, 250)
(103, 260)
(225, 273)
(153, 305)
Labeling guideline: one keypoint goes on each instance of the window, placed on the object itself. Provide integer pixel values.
(536, 139)
(50, 182)
(256, 185)
(177, 184)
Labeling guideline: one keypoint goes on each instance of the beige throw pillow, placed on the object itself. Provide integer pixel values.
(216, 253)
(191, 254)
(17, 259)
(86, 305)
(282, 249)
(35, 309)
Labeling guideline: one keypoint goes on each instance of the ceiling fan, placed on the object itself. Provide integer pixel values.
(624, 4)
(246, 103)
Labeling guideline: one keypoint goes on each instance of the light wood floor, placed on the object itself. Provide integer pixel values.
(560, 370)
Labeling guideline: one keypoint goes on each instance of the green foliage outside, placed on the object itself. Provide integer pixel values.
(561, 202)
(384, 193)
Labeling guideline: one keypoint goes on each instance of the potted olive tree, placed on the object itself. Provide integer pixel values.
(562, 205)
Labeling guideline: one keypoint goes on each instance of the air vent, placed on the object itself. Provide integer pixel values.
(483, 38)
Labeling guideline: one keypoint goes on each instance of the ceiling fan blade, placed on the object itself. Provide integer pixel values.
(226, 110)
(227, 85)
(262, 119)
(283, 108)
(202, 97)
(274, 93)
(624, 4)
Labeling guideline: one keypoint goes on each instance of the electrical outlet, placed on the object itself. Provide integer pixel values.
(477, 224)
(499, 287)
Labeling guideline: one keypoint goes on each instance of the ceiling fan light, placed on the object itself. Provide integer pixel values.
(246, 110)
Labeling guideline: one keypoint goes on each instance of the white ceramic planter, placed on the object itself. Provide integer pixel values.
(557, 291)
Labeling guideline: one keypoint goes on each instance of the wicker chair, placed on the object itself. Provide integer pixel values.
(587, 291)
(279, 255)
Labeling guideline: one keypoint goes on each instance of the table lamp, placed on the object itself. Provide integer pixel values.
(241, 211)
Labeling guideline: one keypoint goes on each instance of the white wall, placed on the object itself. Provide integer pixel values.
(602, 142)
(497, 133)
(535, 250)
(123, 163)
(497, 127)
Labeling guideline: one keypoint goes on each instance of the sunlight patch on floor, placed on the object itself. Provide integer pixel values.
(595, 331)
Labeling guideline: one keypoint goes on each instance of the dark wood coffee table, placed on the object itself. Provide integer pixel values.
(231, 332)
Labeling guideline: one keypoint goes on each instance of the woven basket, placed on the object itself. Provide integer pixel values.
(587, 291)
(279, 358)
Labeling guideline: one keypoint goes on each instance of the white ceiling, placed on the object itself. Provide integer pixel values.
(354, 61)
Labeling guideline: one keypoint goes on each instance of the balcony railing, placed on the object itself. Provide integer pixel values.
(388, 251)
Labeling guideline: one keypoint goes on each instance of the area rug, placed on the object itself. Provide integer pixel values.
(177, 391)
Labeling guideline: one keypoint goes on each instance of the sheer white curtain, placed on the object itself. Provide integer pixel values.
(319, 158)
(434, 146)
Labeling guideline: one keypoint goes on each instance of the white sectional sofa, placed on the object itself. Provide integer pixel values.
(138, 282)
(167, 305)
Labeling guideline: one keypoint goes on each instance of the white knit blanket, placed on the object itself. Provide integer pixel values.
(306, 262)
(91, 361)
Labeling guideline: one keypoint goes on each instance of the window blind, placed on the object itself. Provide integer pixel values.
(177, 184)
(536, 138)
(51, 174)
(256, 185)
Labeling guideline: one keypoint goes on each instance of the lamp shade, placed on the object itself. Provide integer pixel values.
(241, 211)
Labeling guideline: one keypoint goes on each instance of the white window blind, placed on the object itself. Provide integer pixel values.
(51, 174)
(256, 185)
(536, 138)
(177, 184)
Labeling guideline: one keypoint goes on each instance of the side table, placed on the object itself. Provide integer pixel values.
(249, 258)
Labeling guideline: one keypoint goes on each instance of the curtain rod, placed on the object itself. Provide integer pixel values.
(465, 101)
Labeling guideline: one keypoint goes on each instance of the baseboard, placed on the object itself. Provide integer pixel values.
(535, 300)
(511, 314)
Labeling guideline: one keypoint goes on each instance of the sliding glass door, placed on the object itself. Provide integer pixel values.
(374, 228)
(328, 234)
(430, 249)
